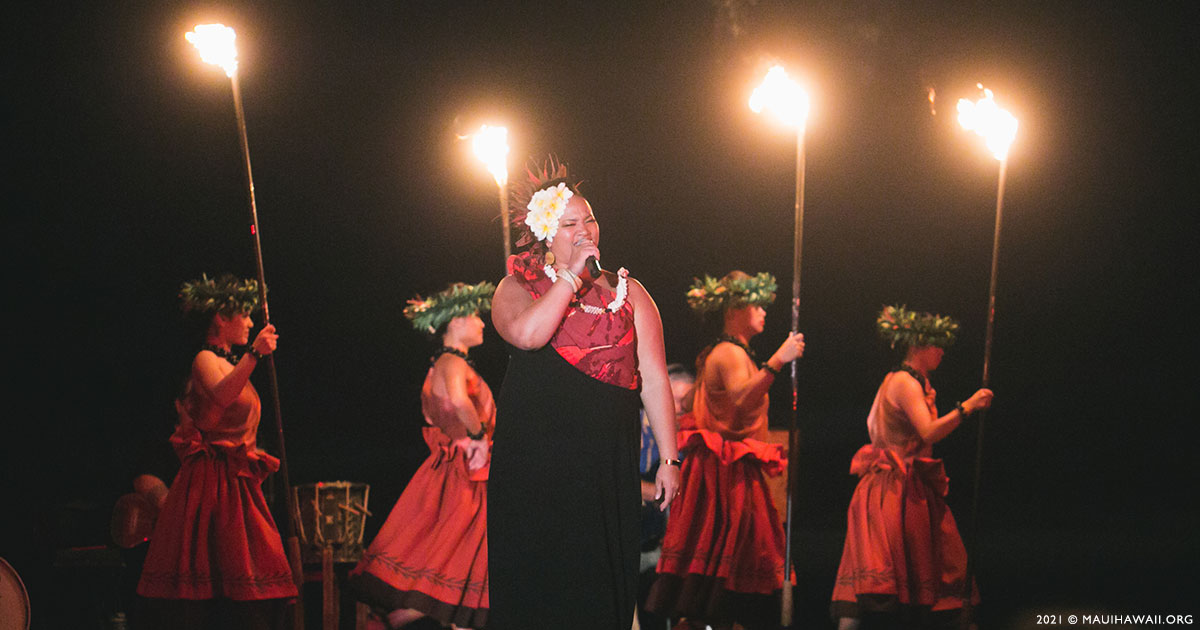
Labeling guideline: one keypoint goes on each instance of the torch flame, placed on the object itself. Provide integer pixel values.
(491, 147)
(985, 118)
(216, 45)
(783, 97)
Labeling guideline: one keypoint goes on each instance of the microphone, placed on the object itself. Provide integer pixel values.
(591, 270)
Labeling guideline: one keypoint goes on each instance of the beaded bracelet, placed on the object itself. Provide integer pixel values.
(480, 435)
(575, 280)
(962, 412)
(256, 354)
(766, 365)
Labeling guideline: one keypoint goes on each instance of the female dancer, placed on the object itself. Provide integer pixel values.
(430, 557)
(903, 556)
(563, 502)
(216, 559)
(722, 556)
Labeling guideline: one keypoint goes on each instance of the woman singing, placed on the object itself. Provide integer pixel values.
(586, 354)
(903, 558)
(216, 559)
(430, 557)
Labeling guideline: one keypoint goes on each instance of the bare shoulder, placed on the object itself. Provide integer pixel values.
(207, 361)
(638, 293)
(448, 363)
(510, 295)
(901, 385)
(726, 353)
(450, 368)
(510, 286)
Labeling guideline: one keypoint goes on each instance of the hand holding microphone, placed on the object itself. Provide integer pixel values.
(590, 271)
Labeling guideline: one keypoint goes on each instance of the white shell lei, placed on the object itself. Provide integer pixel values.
(613, 306)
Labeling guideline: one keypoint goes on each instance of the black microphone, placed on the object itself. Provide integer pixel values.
(591, 270)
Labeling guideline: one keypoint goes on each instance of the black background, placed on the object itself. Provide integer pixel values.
(124, 179)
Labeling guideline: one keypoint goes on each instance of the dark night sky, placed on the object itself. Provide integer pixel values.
(124, 179)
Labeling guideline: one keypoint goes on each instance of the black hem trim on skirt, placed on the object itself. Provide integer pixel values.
(887, 611)
(704, 598)
(379, 594)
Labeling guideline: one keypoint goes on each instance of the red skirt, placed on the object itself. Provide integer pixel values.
(431, 554)
(215, 536)
(724, 537)
(902, 546)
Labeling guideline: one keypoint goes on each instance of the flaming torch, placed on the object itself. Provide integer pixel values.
(788, 102)
(216, 44)
(491, 147)
(998, 129)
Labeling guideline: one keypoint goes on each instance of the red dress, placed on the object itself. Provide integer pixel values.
(903, 553)
(215, 537)
(432, 552)
(722, 555)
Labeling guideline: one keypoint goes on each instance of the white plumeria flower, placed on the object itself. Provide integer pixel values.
(545, 209)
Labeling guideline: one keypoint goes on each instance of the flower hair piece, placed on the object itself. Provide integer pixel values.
(226, 295)
(457, 300)
(545, 209)
(539, 203)
(711, 295)
(898, 325)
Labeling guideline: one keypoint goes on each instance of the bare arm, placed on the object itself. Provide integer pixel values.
(656, 388)
(906, 393)
(453, 372)
(725, 368)
(525, 322)
(222, 384)
(747, 387)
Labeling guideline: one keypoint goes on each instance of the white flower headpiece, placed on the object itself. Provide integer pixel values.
(545, 209)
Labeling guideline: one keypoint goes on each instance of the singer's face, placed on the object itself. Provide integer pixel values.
(576, 227)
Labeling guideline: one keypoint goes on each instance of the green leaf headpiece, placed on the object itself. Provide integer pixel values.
(226, 295)
(711, 295)
(899, 326)
(458, 300)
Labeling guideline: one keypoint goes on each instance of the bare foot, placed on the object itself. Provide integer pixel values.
(402, 617)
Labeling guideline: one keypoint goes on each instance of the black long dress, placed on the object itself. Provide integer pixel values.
(563, 499)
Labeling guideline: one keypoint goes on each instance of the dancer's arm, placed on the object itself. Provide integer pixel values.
(906, 393)
(222, 385)
(746, 388)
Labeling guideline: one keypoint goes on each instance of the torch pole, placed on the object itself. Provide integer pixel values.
(291, 542)
(969, 586)
(504, 227)
(786, 604)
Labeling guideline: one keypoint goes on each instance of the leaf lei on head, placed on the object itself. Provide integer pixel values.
(711, 294)
(898, 325)
(457, 300)
(226, 295)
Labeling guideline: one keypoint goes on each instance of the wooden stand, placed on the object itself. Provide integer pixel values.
(331, 595)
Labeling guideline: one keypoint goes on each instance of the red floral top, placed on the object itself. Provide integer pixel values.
(603, 346)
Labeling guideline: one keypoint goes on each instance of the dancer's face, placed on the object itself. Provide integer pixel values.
(928, 357)
(751, 319)
(233, 329)
(468, 330)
